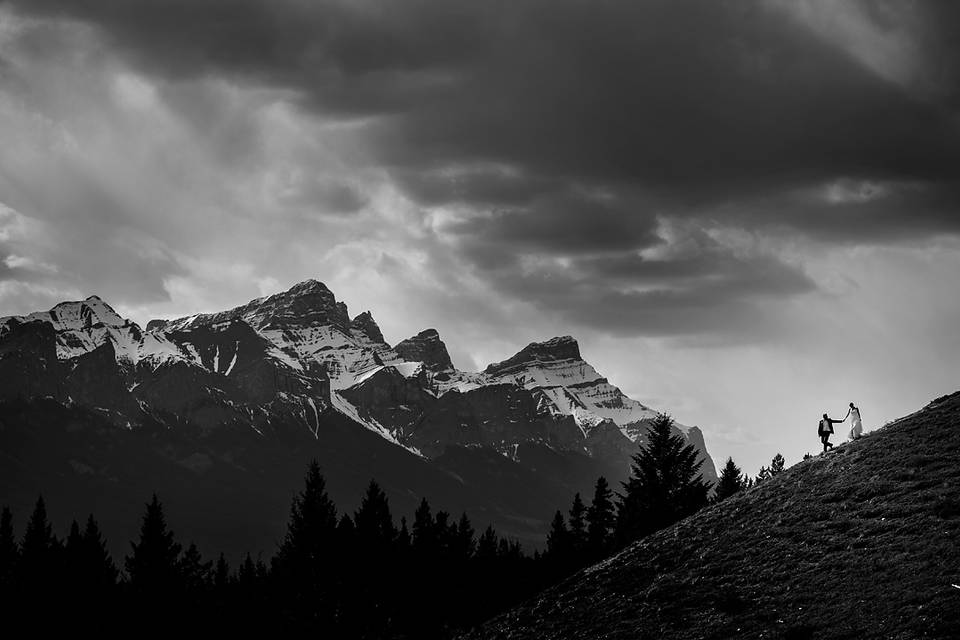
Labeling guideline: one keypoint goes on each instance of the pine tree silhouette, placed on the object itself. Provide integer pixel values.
(731, 481)
(100, 569)
(221, 574)
(577, 528)
(487, 545)
(777, 464)
(153, 569)
(247, 573)
(763, 475)
(558, 546)
(403, 542)
(665, 484)
(463, 540)
(446, 533)
(374, 523)
(196, 574)
(305, 562)
(600, 519)
(39, 552)
(74, 559)
(425, 540)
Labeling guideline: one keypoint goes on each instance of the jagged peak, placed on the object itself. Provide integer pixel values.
(557, 348)
(309, 286)
(426, 347)
(366, 325)
(72, 311)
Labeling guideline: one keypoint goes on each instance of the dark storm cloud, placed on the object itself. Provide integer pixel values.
(569, 131)
(707, 289)
(701, 102)
(566, 223)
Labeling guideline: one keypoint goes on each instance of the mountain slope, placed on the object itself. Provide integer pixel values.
(863, 542)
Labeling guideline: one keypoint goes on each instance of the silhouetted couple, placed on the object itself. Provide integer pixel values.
(825, 430)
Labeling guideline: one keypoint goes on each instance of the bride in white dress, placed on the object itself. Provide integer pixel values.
(856, 429)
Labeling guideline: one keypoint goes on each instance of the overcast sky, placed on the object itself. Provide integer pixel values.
(748, 213)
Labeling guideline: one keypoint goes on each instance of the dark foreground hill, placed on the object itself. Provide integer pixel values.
(863, 542)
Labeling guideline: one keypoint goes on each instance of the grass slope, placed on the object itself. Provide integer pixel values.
(863, 542)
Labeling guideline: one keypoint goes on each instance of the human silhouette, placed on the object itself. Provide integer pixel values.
(856, 428)
(825, 430)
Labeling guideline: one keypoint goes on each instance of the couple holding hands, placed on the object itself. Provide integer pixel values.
(825, 429)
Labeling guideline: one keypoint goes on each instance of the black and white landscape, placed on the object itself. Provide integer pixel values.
(235, 403)
(475, 319)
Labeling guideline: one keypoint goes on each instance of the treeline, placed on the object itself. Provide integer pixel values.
(664, 487)
(339, 575)
(360, 575)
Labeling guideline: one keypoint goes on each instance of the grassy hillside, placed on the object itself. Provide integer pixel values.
(863, 542)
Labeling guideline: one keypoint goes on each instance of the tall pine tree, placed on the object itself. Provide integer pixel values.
(153, 569)
(313, 521)
(101, 571)
(307, 556)
(558, 539)
(376, 532)
(731, 481)
(577, 527)
(665, 484)
(600, 519)
(39, 551)
(487, 546)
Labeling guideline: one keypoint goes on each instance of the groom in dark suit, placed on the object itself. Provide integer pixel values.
(826, 430)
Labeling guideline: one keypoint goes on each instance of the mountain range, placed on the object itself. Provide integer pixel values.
(220, 412)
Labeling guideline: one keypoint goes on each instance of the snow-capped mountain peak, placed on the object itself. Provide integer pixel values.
(299, 351)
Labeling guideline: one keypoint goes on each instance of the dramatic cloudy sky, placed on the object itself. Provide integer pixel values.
(748, 212)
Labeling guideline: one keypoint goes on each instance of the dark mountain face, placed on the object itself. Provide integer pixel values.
(219, 402)
(426, 347)
(554, 350)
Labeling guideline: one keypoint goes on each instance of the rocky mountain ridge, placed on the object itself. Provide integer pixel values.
(286, 367)
(301, 352)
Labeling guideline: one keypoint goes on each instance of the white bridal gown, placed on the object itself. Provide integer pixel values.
(857, 426)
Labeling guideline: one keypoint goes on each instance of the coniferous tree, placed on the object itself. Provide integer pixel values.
(306, 556)
(487, 545)
(247, 573)
(39, 551)
(777, 464)
(464, 539)
(73, 555)
(196, 573)
(731, 481)
(376, 532)
(446, 533)
(425, 539)
(153, 569)
(558, 546)
(665, 484)
(9, 551)
(313, 520)
(74, 543)
(763, 475)
(577, 530)
(600, 519)
(221, 574)
(403, 542)
(100, 568)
